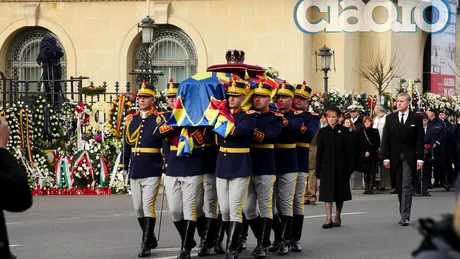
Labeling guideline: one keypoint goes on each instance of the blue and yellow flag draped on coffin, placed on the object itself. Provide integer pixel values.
(194, 99)
(197, 105)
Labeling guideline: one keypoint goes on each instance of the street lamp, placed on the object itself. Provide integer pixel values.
(146, 70)
(326, 54)
(147, 26)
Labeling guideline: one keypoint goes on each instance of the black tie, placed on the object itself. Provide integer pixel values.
(402, 118)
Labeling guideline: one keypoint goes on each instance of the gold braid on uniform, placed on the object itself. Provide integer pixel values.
(131, 139)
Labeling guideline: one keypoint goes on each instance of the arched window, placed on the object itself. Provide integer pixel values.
(172, 52)
(23, 53)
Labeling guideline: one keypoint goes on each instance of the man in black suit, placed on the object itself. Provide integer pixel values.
(403, 151)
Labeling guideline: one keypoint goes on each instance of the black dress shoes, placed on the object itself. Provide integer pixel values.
(404, 222)
(330, 225)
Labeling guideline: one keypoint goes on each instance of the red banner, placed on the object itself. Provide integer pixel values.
(442, 84)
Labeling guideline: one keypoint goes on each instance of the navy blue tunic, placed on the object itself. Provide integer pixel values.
(233, 165)
(210, 151)
(286, 158)
(186, 166)
(307, 132)
(269, 125)
(142, 146)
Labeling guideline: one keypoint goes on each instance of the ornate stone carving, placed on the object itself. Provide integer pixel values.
(31, 13)
(161, 12)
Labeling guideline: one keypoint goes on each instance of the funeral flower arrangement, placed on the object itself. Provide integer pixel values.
(93, 90)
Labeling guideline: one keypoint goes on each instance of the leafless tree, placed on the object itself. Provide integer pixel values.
(379, 70)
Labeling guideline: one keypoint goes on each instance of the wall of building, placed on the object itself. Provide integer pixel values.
(100, 37)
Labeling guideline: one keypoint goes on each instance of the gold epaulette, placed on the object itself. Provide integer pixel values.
(297, 112)
(250, 112)
(129, 117)
(279, 114)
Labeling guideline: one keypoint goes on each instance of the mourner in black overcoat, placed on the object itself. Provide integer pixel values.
(333, 163)
(368, 143)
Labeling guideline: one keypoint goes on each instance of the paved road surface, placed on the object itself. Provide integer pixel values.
(105, 227)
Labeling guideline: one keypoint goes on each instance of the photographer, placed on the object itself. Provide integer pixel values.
(441, 238)
(49, 59)
(15, 195)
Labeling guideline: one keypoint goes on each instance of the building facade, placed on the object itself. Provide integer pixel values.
(101, 40)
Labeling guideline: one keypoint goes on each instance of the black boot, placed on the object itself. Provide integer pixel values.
(141, 222)
(189, 242)
(286, 225)
(200, 222)
(371, 183)
(264, 243)
(255, 227)
(148, 238)
(277, 230)
(233, 239)
(180, 225)
(296, 232)
(366, 183)
(208, 233)
(244, 235)
(221, 229)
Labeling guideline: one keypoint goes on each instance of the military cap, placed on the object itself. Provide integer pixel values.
(172, 88)
(285, 89)
(238, 88)
(303, 90)
(263, 89)
(147, 89)
(353, 108)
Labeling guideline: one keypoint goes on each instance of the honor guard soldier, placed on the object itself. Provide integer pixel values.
(212, 223)
(142, 153)
(260, 190)
(234, 167)
(307, 131)
(171, 92)
(184, 182)
(286, 168)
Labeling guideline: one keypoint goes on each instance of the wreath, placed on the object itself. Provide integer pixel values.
(121, 106)
(93, 91)
(95, 109)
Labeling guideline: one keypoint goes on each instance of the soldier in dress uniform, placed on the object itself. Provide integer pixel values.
(307, 131)
(286, 169)
(142, 154)
(260, 190)
(171, 92)
(212, 222)
(184, 182)
(234, 167)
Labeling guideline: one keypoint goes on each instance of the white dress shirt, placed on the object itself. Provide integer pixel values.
(143, 114)
(406, 114)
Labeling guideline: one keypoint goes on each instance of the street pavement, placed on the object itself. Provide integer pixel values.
(106, 227)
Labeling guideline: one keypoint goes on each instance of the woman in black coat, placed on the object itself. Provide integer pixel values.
(334, 160)
(369, 143)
